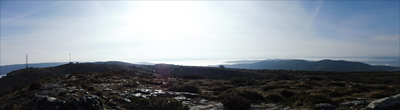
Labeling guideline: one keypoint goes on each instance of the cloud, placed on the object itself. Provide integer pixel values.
(386, 38)
(192, 30)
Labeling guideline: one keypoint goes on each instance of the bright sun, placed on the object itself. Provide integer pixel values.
(166, 20)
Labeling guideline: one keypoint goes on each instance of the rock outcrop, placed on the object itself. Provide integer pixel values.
(89, 102)
(387, 103)
(325, 106)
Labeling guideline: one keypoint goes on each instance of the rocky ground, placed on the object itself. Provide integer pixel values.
(126, 89)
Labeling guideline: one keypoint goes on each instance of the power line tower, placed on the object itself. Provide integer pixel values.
(26, 61)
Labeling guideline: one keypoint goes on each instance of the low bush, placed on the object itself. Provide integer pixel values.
(185, 88)
(235, 102)
(307, 101)
(336, 84)
(334, 94)
(131, 84)
(34, 86)
(272, 87)
(274, 98)
(220, 88)
(377, 95)
(242, 81)
(303, 86)
(194, 76)
(286, 93)
(248, 94)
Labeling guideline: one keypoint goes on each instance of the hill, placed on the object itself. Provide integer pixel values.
(120, 85)
(323, 65)
(20, 78)
(8, 68)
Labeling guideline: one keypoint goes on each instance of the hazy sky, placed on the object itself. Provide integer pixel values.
(197, 32)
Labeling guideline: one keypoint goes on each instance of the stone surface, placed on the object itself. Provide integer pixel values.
(89, 102)
(387, 103)
(325, 106)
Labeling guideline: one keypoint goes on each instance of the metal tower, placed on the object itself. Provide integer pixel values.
(26, 61)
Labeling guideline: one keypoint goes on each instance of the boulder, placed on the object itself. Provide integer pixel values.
(387, 103)
(47, 103)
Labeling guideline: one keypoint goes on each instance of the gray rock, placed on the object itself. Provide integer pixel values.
(89, 102)
(387, 103)
(190, 95)
(325, 106)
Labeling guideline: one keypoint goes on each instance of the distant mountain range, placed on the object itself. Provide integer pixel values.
(323, 65)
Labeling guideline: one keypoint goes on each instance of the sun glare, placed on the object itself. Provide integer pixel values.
(166, 20)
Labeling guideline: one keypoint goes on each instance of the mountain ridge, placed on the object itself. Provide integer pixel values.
(322, 65)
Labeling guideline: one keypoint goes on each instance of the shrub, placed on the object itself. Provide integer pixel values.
(208, 96)
(274, 98)
(63, 93)
(334, 94)
(272, 87)
(85, 86)
(286, 93)
(242, 81)
(251, 95)
(337, 84)
(92, 88)
(248, 94)
(235, 102)
(307, 101)
(99, 93)
(35, 86)
(316, 78)
(194, 76)
(131, 84)
(303, 86)
(221, 88)
(185, 88)
(377, 95)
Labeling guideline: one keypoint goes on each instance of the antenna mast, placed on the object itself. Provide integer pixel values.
(27, 61)
(70, 57)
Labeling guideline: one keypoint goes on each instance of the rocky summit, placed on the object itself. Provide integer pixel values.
(170, 87)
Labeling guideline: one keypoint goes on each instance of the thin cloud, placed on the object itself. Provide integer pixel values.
(28, 13)
(316, 12)
(386, 38)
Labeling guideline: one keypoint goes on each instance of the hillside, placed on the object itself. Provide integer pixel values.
(323, 65)
(124, 86)
(20, 78)
(8, 68)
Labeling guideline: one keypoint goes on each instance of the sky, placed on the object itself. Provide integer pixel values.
(199, 32)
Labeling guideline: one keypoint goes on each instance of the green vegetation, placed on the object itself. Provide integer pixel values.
(184, 88)
(235, 102)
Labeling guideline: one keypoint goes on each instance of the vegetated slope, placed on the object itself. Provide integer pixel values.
(8, 68)
(213, 73)
(323, 65)
(170, 70)
(20, 78)
(237, 88)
